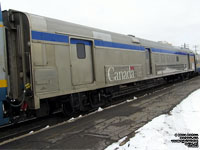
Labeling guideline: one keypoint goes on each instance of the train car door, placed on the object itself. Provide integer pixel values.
(188, 61)
(148, 61)
(194, 63)
(81, 61)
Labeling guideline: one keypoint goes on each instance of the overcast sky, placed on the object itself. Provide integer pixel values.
(175, 21)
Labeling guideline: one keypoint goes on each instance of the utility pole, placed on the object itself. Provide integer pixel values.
(186, 46)
(195, 48)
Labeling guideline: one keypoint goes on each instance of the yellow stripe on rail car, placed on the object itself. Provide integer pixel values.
(3, 83)
(1, 25)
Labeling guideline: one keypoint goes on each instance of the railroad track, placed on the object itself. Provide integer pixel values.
(19, 129)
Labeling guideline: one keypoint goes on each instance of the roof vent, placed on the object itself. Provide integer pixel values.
(134, 39)
(165, 42)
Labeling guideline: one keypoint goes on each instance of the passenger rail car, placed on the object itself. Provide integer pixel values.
(48, 64)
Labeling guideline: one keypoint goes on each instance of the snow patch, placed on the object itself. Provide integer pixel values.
(158, 133)
(100, 109)
(130, 100)
(31, 132)
(116, 146)
(72, 119)
(47, 127)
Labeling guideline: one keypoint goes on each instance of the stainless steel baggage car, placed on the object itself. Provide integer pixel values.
(48, 63)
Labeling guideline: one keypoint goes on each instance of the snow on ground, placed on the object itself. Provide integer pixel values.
(157, 134)
(100, 109)
(130, 100)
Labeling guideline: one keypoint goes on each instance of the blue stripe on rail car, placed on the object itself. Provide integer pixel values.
(191, 54)
(44, 36)
(0, 14)
(118, 45)
(168, 51)
(76, 41)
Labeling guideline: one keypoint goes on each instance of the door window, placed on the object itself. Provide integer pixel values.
(80, 47)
